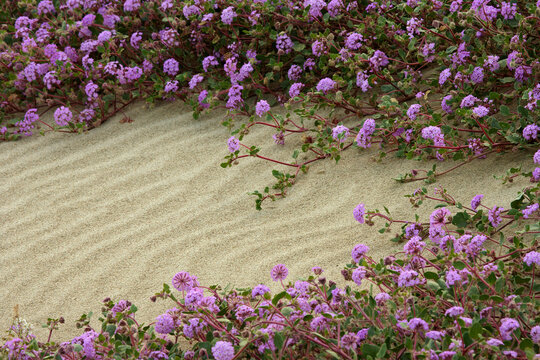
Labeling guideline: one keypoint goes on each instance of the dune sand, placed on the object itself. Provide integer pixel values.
(118, 211)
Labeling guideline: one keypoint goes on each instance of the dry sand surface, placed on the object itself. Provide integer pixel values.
(118, 211)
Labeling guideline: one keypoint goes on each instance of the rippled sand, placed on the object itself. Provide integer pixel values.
(118, 211)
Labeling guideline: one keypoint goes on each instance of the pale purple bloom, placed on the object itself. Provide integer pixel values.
(295, 89)
(309, 64)
(62, 116)
(354, 41)
(195, 80)
(435, 335)
(45, 7)
(529, 210)
(294, 72)
(325, 85)
(494, 342)
(536, 175)
(475, 202)
(364, 135)
(358, 275)
(413, 110)
(477, 75)
(454, 311)
(530, 132)
(315, 7)
(50, 80)
(164, 324)
(259, 290)
(135, 39)
(170, 66)
(131, 5)
(120, 306)
(182, 281)
(535, 334)
(536, 157)
(413, 25)
(408, 278)
(104, 36)
(349, 341)
(318, 48)
(414, 246)
(532, 257)
(171, 86)
(452, 277)
(340, 133)
(284, 43)
(262, 108)
(209, 61)
(494, 216)
(492, 63)
(508, 325)
(510, 353)
(382, 298)
(235, 97)
(279, 272)
(444, 104)
(508, 10)
(190, 10)
(379, 59)
(362, 81)
(233, 144)
(358, 252)
(439, 217)
(228, 15)
(25, 126)
(480, 111)
(468, 101)
(334, 7)
(417, 323)
(223, 350)
(358, 213)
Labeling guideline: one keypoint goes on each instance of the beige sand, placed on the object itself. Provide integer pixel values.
(118, 211)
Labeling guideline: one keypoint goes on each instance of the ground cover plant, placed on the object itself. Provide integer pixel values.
(421, 79)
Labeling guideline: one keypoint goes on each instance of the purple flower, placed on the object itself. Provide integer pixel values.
(171, 86)
(414, 109)
(510, 353)
(382, 298)
(481, 111)
(325, 85)
(445, 74)
(358, 213)
(359, 274)
(530, 132)
(120, 306)
(536, 157)
(413, 25)
(62, 116)
(45, 7)
(358, 252)
(438, 218)
(235, 97)
(414, 246)
(182, 281)
(195, 80)
(334, 7)
(494, 216)
(190, 10)
(164, 324)
(535, 334)
(354, 41)
(460, 56)
(532, 257)
(362, 334)
(494, 342)
(529, 210)
(435, 335)
(362, 81)
(477, 75)
(535, 175)
(284, 43)
(444, 104)
(26, 125)
(416, 323)
(170, 66)
(508, 325)
(340, 133)
(223, 350)
(294, 72)
(279, 138)
(468, 101)
(262, 108)
(209, 61)
(315, 7)
(318, 48)
(131, 5)
(233, 144)
(454, 311)
(259, 290)
(279, 272)
(135, 39)
(508, 10)
(349, 341)
(379, 59)
(408, 278)
(317, 270)
(475, 202)
(492, 63)
(104, 36)
(309, 64)
(364, 135)
(452, 277)
(228, 15)
(295, 89)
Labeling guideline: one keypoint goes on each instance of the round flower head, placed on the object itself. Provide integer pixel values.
(532, 257)
(438, 218)
(262, 108)
(195, 80)
(530, 132)
(164, 324)
(480, 111)
(454, 311)
(359, 212)
(535, 334)
(223, 350)
(279, 272)
(340, 133)
(62, 116)
(494, 342)
(259, 290)
(228, 15)
(359, 274)
(182, 281)
(414, 109)
(295, 89)
(325, 85)
(170, 66)
(233, 144)
(475, 202)
(508, 325)
(358, 252)
(382, 298)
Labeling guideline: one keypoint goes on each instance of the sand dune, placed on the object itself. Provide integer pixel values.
(118, 211)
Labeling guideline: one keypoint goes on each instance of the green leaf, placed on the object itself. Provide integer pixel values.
(476, 330)
(370, 349)
(299, 46)
(461, 219)
(280, 296)
(459, 265)
(382, 351)
(504, 110)
(431, 275)
(278, 340)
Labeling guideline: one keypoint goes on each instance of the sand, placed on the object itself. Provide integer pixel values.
(119, 210)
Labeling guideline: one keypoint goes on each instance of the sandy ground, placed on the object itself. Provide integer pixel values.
(118, 211)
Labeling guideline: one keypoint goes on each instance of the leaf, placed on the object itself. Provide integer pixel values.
(382, 351)
(476, 330)
(299, 46)
(504, 110)
(461, 219)
(279, 296)
(459, 265)
(431, 275)
(370, 349)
